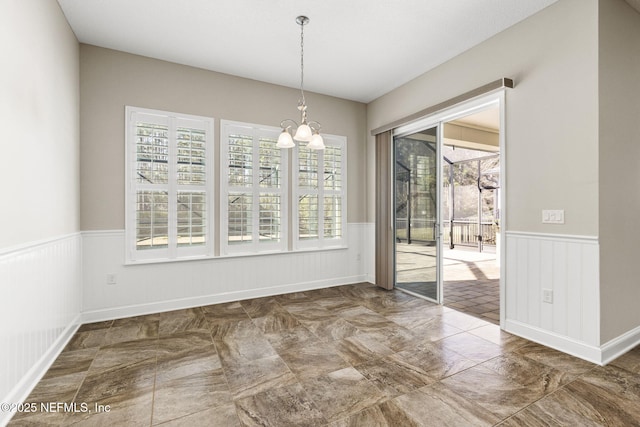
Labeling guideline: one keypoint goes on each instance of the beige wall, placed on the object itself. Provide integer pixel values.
(111, 79)
(39, 120)
(619, 133)
(552, 113)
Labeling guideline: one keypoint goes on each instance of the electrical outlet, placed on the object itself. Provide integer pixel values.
(111, 279)
(547, 296)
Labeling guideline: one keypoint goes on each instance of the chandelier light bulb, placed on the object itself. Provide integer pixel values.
(303, 133)
(285, 140)
(316, 143)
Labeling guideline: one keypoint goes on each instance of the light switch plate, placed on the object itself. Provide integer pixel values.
(555, 216)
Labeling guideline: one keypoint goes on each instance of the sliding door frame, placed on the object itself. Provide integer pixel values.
(465, 108)
(399, 133)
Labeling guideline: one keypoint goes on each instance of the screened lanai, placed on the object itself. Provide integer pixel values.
(470, 198)
(470, 219)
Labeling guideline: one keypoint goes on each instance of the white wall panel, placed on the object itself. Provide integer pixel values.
(155, 287)
(39, 310)
(567, 265)
(368, 254)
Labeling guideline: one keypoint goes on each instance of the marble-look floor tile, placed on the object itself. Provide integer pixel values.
(366, 320)
(191, 319)
(318, 294)
(394, 376)
(86, 339)
(124, 354)
(336, 304)
(292, 298)
(95, 326)
(463, 321)
(290, 340)
(432, 405)
(534, 375)
(359, 349)
(283, 406)
(61, 388)
(241, 342)
(415, 363)
(435, 360)
(396, 337)
(434, 330)
(331, 328)
(187, 395)
(37, 419)
(342, 393)
(130, 409)
(71, 362)
(414, 317)
(313, 360)
(260, 307)
(309, 311)
(550, 357)
(564, 408)
(375, 417)
(277, 320)
(133, 377)
(472, 347)
(629, 361)
(493, 333)
(131, 332)
(134, 320)
(613, 391)
(360, 291)
(253, 377)
(222, 313)
(224, 415)
(184, 364)
(183, 342)
(499, 395)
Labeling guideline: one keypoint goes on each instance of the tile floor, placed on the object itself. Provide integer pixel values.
(471, 279)
(346, 356)
(472, 283)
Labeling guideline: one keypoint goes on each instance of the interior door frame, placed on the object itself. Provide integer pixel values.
(438, 119)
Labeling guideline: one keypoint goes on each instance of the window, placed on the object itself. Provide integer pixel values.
(253, 189)
(168, 160)
(320, 195)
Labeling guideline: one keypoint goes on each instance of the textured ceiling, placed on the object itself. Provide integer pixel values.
(356, 49)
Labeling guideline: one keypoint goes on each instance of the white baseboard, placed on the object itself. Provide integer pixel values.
(620, 345)
(21, 391)
(178, 304)
(550, 339)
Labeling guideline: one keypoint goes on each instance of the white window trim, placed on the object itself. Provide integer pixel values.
(173, 252)
(255, 246)
(321, 242)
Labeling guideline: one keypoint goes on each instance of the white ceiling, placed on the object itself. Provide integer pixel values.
(354, 49)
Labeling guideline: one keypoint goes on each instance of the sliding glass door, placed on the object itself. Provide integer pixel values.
(417, 213)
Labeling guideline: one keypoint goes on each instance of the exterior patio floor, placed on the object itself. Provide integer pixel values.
(471, 278)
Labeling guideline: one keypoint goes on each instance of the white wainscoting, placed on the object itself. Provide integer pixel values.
(39, 310)
(568, 266)
(149, 288)
(369, 250)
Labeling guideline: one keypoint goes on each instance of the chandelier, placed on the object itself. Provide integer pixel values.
(308, 130)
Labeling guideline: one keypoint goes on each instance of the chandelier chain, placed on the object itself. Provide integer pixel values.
(302, 62)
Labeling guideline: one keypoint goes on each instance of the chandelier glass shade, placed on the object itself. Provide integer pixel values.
(308, 130)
